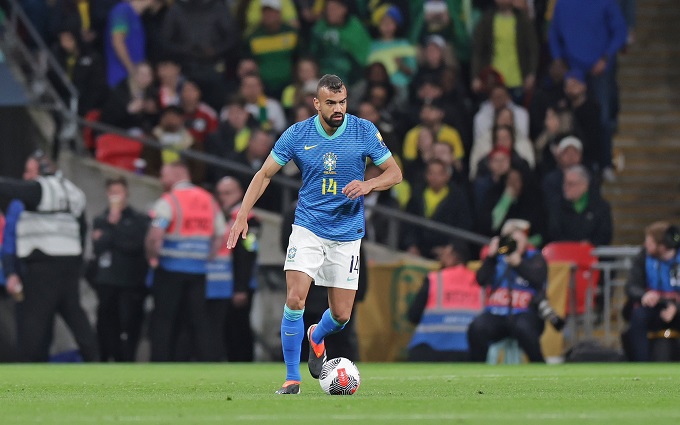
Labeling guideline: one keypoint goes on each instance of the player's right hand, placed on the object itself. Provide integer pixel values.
(239, 228)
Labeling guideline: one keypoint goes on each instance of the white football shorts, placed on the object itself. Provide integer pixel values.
(330, 263)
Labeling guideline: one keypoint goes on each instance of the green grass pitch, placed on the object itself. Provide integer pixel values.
(395, 393)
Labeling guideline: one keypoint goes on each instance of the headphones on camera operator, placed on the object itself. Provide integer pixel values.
(671, 237)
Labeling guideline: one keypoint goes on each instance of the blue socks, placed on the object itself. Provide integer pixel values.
(326, 326)
(292, 334)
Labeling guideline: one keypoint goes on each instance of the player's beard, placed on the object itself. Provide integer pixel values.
(334, 122)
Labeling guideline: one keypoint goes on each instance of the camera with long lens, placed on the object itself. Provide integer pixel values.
(546, 312)
(506, 245)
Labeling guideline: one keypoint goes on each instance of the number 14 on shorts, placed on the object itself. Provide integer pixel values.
(354, 264)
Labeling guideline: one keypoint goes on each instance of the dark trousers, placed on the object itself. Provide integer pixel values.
(179, 297)
(51, 286)
(642, 320)
(231, 329)
(488, 328)
(119, 321)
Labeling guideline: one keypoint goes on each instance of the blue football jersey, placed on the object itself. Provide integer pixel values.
(328, 164)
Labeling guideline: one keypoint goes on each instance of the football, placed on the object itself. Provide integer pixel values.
(339, 376)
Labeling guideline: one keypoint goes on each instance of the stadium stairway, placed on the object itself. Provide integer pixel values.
(647, 188)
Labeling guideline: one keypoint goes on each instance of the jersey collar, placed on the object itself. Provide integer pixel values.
(322, 132)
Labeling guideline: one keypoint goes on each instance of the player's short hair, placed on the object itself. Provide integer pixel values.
(331, 82)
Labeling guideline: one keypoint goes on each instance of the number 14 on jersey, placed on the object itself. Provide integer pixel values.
(329, 186)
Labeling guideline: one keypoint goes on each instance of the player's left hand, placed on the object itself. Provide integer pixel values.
(356, 188)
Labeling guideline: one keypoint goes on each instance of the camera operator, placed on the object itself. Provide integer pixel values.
(653, 290)
(513, 275)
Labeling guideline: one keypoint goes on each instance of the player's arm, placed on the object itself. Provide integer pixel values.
(391, 175)
(255, 189)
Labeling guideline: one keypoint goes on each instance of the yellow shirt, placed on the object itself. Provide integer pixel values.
(432, 200)
(446, 134)
(505, 58)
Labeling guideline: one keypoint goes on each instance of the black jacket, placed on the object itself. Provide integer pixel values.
(120, 249)
(593, 225)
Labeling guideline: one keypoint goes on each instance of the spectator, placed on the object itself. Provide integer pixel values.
(581, 214)
(441, 202)
(396, 53)
(201, 33)
(369, 112)
(558, 122)
(436, 56)
(515, 196)
(431, 118)
(231, 281)
(306, 74)
(590, 46)
(125, 45)
(174, 137)
(132, 104)
(512, 280)
(587, 123)
(259, 146)
(273, 44)
(628, 8)
(568, 153)
(340, 43)
(76, 16)
(505, 39)
(484, 142)
(504, 137)
(437, 308)
(377, 88)
(652, 290)
(170, 80)
(153, 21)
(249, 14)
(266, 111)
(231, 137)
(84, 68)
(186, 230)
(548, 93)
(43, 245)
(498, 99)
(499, 163)
(199, 117)
(445, 18)
(118, 242)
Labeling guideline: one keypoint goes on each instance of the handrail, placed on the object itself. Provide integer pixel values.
(17, 10)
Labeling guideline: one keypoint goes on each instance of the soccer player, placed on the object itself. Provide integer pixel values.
(330, 149)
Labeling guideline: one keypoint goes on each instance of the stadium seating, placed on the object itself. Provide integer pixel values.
(585, 277)
(118, 151)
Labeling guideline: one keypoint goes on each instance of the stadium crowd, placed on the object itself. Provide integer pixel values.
(495, 109)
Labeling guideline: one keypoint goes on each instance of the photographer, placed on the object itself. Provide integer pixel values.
(653, 290)
(513, 275)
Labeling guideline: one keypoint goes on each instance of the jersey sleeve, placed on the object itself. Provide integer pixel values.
(119, 21)
(376, 149)
(283, 148)
(161, 214)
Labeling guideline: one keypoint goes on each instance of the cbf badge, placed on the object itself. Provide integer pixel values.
(330, 162)
(291, 253)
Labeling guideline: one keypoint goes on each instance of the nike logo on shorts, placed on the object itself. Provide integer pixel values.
(310, 147)
(350, 279)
